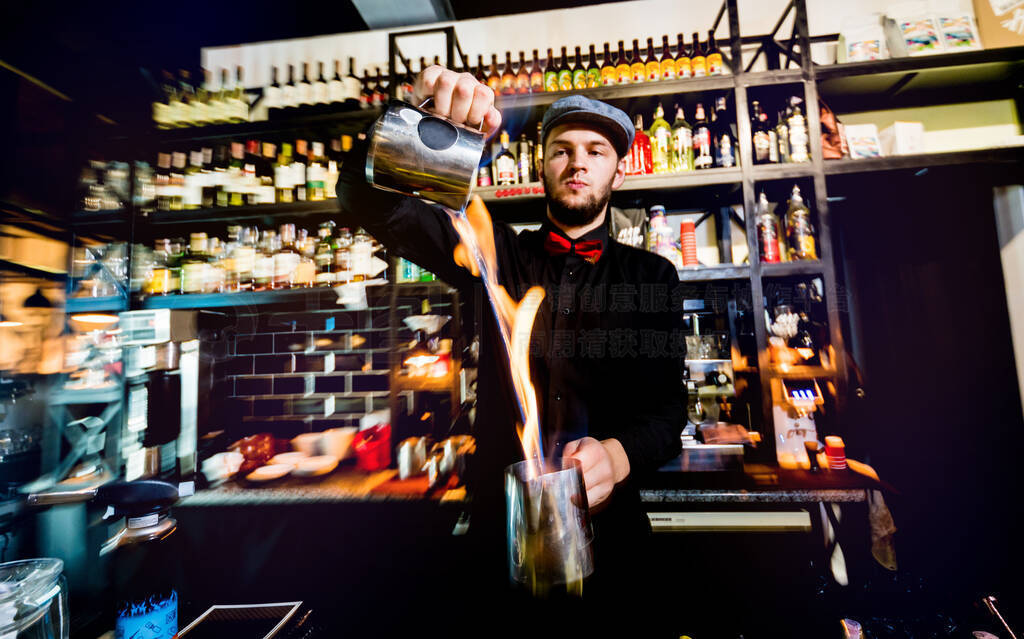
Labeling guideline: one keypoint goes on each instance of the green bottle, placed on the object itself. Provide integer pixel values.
(661, 142)
(681, 158)
(550, 73)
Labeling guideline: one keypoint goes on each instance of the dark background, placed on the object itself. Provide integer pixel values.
(942, 416)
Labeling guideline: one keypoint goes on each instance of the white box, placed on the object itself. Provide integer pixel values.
(902, 138)
(863, 141)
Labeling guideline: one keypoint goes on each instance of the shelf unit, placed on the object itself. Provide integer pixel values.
(898, 82)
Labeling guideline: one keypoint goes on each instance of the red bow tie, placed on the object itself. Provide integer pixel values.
(590, 250)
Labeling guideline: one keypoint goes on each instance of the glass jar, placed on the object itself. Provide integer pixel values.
(34, 600)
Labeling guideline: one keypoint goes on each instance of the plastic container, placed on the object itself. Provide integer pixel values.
(34, 600)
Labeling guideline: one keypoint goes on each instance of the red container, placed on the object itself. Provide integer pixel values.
(688, 243)
(373, 448)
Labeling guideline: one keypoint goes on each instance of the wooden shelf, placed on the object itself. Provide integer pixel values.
(639, 90)
(783, 171)
(998, 155)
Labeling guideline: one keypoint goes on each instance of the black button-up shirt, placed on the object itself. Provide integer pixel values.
(606, 351)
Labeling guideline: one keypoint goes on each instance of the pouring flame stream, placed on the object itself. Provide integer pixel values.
(476, 252)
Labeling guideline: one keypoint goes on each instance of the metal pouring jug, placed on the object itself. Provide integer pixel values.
(549, 532)
(415, 152)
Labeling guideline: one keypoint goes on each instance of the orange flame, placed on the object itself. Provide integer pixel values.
(476, 252)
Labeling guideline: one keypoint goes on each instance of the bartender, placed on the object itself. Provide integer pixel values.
(606, 351)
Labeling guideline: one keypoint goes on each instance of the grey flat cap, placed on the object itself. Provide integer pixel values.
(577, 108)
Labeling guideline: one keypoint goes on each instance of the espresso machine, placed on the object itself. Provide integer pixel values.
(794, 403)
(162, 375)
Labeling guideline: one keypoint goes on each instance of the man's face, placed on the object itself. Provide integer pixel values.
(580, 170)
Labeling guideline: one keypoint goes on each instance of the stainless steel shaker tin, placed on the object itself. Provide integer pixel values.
(549, 532)
(415, 152)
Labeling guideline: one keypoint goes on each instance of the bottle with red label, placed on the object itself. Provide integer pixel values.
(640, 153)
(767, 232)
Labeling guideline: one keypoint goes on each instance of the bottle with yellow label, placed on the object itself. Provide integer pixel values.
(698, 63)
(713, 60)
(683, 69)
(622, 66)
(652, 66)
(667, 64)
(550, 73)
(593, 71)
(608, 76)
(636, 65)
(564, 74)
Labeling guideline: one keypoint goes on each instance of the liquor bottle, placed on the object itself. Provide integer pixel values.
(324, 256)
(622, 73)
(667, 64)
(305, 271)
(538, 153)
(304, 88)
(698, 61)
(579, 73)
(713, 59)
(245, 259)
(660, 137)
(162, 116)
(405, 85)
(505, 163)
(703, 157)
(315, 173)
(188, 99)
(192, 197)
(335, 86)
(799, 232)
(284, 189)
(289, 96)
(233, 187)
(237, 103)
(194, 264)
(215, 100)
(564, 73)
(523, 75)
(725, 142)
(298, 169)
(493, 77)
(333, 162)
(286, 259)
(480, 73)
(353, 87)
(250, 181)
(162, 179)
(636, 64)
(343, 257)
(362, 255)
(319, 94)
(508, 76)
(608, 75)
(536, 75)
(640, 151)
(767, 231)
(263, 264)
(380, 89)
(524, 161)
(158, 280)
(759, 134)
(782, 135)
(773, 138)
(177, 181)
(550, 73)
(798, 139)
(210, 176)
(593, 71)
(653, 65)
(682, 143)
(221, 175)
(684, 68)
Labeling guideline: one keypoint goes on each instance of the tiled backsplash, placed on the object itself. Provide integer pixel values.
(293, 372)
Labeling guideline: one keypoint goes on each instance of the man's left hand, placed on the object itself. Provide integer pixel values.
(604, 465)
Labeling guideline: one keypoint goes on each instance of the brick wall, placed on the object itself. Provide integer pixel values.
(287, 372)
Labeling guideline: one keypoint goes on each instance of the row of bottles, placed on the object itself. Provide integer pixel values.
(251, 259)
(681, 146)
(521, 162)
(576, 72)
(309, 93)
(783, 139)
(795, 241)
(183, 102)
(248, 173)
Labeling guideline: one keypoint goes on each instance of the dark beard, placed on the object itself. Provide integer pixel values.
(577, 215)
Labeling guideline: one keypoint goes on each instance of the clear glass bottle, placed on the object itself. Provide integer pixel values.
(286, 258)
(362, 255)
(245, 259)
(194, 264)
(799, 231)
(661, 142)
(343, 257)
(263, 263)
(324, 256)
(681, 158)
